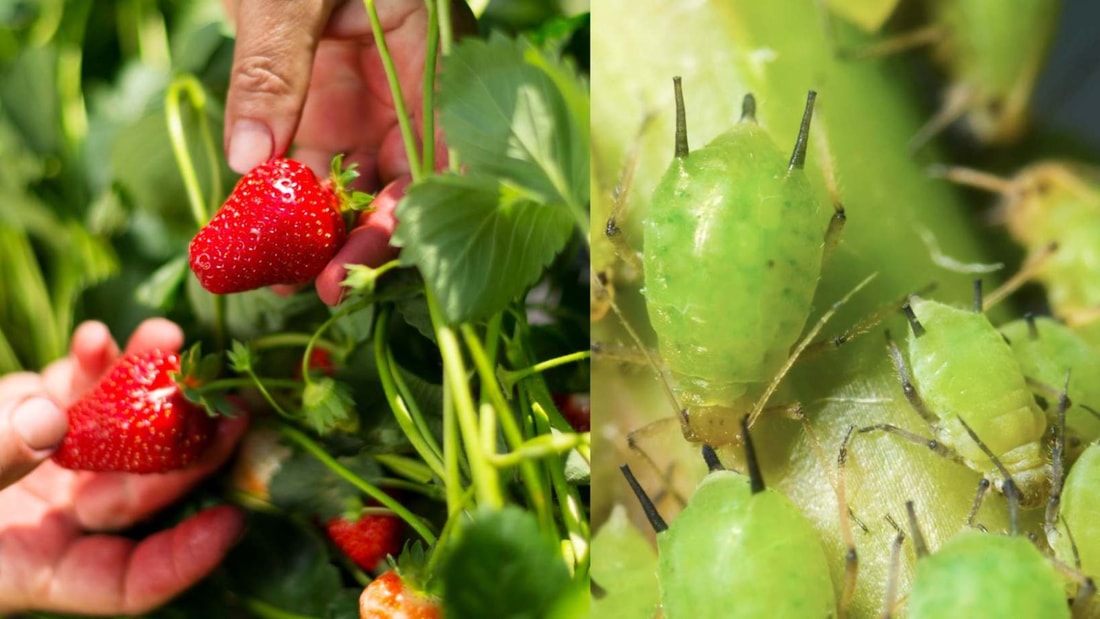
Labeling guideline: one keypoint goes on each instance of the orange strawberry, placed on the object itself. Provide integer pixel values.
(390, 597)
(280, 225)
(136, 420)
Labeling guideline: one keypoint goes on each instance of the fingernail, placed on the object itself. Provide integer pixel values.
(40, 423)
(250, 144)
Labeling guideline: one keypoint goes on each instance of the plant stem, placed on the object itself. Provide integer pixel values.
(570, 506)
(485, 477)
(509, 378)
(414, 521)
(186, 85)
(403, 120)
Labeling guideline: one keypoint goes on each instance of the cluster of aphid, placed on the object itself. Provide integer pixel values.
(1022, 425)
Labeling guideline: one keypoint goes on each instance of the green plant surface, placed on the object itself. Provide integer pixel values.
(867, 112)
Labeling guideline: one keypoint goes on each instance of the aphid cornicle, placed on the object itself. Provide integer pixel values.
(733, 253)
(961, 368)
(739, 549)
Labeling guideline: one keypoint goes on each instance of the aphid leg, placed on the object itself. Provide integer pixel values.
(648, 507)
(851, 557)
(931, 443)
(621, 353)
(979, 498)
(601, 294)
(955, 105)
(973, 178)
(889, 597)
(904, 375)
(618, 214)
(1086, 588)
(1008, 486)
(1057, 461)
(1031, 267)
(633, 441)
(801, 347)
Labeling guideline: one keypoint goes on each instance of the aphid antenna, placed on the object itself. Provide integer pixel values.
(840, 215)
(1027, 272)
(748, 109)
(752, 465)
(889, 597)
(801, 347)
(914, 529)
(1008, 486)
(925, 35)
(681, 145)
(798, 157)
(655, 520)
(866, 323)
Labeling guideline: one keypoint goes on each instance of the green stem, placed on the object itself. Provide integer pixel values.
(570, 506)
(281, 340)
(264, 610)
(485, 478)
(428, 88)
(414, 409)
(418, 524)
(187, 85)
(316, 337)
(266, 394)
(509, 378)
(542, 446)
(409, 468)
(452, 479)
(403, 120)
(533, 482)
(225, 384)
(423, 444)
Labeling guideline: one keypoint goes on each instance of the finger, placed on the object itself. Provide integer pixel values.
(112, 501)
(31, 426)
(102, 574)
(368, 244)
(272, 61)
(91, 354)
(155, 334)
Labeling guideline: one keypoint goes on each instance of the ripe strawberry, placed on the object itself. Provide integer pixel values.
(368, 540)
(576, 408)
(136, 420)
(280, 225)
(390, 597)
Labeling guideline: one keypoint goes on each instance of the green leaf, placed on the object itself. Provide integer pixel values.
(502, 565)
(506, 116)
(284, 566)
(305, 485)
(240, 357)
(344, 605)
(159, 290)
(479, 243)
(328, 406)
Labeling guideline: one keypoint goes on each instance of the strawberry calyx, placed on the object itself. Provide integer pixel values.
(340, 179)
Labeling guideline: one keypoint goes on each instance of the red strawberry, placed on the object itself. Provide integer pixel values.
(576, 408)
(368, 540)
(280, 225)
(136, 420)
(390, 597)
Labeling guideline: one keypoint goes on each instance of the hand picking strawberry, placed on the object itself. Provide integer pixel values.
(136, 420)
(280, 225)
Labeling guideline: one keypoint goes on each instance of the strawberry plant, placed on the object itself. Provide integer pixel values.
(411, 422)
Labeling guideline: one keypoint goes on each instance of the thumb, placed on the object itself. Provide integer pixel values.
(31, 426)
(272, 63)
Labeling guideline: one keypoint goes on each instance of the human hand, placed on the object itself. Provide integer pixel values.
(311, 74)
(50, 554)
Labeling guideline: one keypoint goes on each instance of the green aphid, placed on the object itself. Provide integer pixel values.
(733, 254)
(739, 549)
(961, 368)
(1053, 204)
(1075, 536)
(992, 52)
(1048, 351)
(980, 575)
